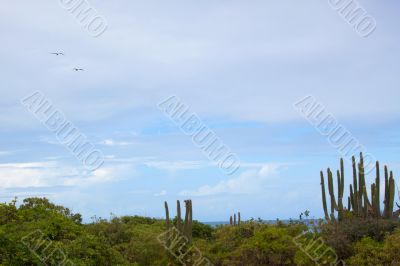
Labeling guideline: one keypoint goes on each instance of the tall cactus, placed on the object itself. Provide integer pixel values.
(178, 216)
(366, 203)
(233, 221)
(186, 228)
(340, 194)
(348, 203)
(359, 204)
(332, 195)
(355, 197)
(352, 198)
(377, 190)
(391, 195)
(324, 196)
(374, 202)
(386, 201)
(167, 225)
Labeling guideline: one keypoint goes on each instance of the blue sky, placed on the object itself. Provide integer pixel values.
(238, 65)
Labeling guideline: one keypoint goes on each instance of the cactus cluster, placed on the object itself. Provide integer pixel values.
(233, 222)
(183, 226)
(358, 202)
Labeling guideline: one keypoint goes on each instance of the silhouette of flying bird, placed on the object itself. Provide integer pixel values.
(78, 69)
(57, 53)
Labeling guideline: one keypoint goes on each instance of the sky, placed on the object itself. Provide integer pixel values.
(238, 65)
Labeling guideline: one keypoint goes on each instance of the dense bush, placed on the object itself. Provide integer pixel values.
(134, 240)
(121, 241)
(371, 252)
(255, 244)
(201, 230)
(368, 252)
(342, 236)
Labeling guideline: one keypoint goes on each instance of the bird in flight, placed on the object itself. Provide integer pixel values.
(57, 54)
(78, 69)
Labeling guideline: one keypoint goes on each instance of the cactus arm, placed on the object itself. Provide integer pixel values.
(355, 198)
(361, 184)
(377, 190)
(186, 222)
(342, 175)
(331, 191)
(190, 221)
(179, 218)
(348, 203)
(324, 197)
(352, 198)
(373, 199)
(340, 196)
(167, 225)
(365, 202)
(386, 201)
(391, 195)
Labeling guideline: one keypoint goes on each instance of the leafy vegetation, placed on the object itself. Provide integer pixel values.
(38, 232)
(133, 240)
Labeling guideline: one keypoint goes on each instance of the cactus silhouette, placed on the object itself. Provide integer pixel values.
(167, 225)
(184, 229)
(358, 202)
(233, 221)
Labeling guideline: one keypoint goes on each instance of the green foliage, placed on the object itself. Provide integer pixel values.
(367, 252)
(392, 248)
(269, 246)
(201, 230)
(341, 236)
(120, 241)
(314, 250)
(134, 240)
(255, 244)
(370, 252)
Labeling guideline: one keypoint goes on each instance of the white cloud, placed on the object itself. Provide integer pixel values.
(49, 140)
(175, 165)
(154, 162)
(249, 181)
(110, 173)
(132, 160)
(30, 174)
(53, 173)
(112, 142)
(160, 194)
(4, 153)
(20, 195)
(268, 170)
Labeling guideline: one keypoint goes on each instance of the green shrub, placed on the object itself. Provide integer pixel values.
(342, 236)
(201, 230)
(392, 248)
(368, 252)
